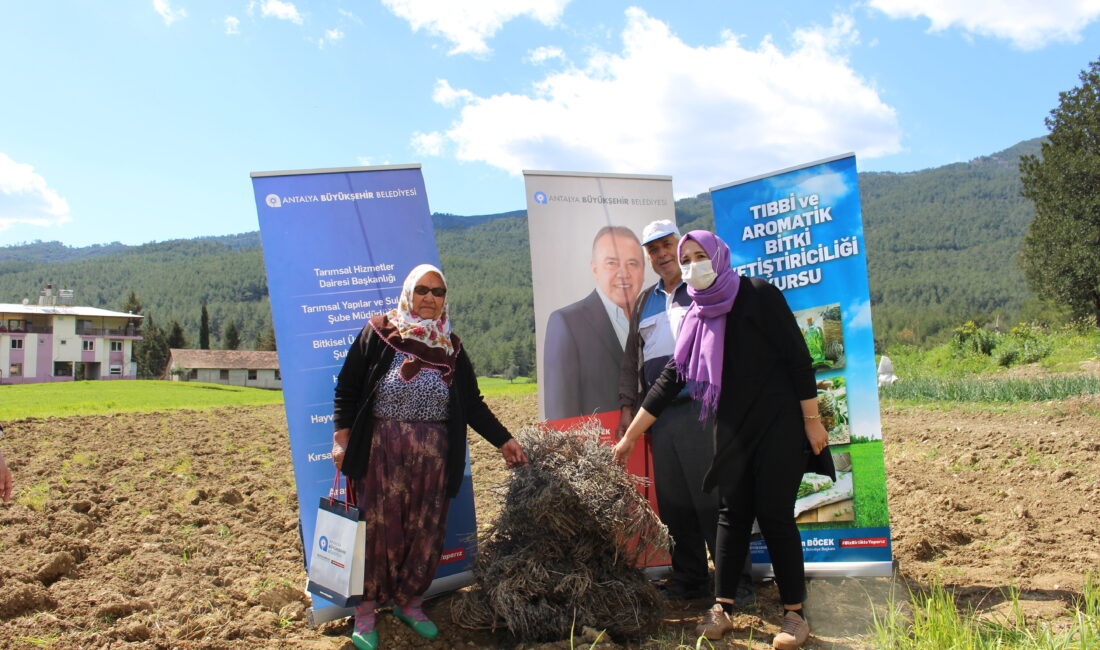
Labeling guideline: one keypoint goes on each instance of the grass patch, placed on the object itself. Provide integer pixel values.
(39, 641)
(35, 497)
(934, 621)
(1055, 387)
(990, 351)
(498, 387)
(137, 396)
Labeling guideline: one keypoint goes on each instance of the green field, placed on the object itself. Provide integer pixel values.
(139, 396)
(103, 397)
(497, 387)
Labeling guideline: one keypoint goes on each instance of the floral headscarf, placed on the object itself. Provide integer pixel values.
(428, 341)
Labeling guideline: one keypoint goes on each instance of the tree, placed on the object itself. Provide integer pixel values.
(175, 338)
(265, 340)
(151, 353)
(232, 338)
(1060, 251)
(204, 328)
(132, 305)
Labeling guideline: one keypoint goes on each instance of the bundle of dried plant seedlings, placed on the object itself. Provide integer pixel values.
(564, 553)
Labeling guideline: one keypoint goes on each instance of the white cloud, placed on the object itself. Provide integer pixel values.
(706, 115)
(545, 53)
(277, 9)
(167, 13)
(428, 144)
(365, 161)
(331, 36)
(1027, 24)
(859, 316)
(350, 16)
(446, 95)
(26, 198)
(467, 25)
(232, 25)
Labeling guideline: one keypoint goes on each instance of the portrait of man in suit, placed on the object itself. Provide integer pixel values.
(583, 349)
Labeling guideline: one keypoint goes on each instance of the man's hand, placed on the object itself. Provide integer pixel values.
(626, 414)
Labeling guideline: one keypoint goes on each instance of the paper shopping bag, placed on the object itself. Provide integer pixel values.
(336, 562)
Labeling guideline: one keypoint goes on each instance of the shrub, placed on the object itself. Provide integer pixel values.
(970, 338)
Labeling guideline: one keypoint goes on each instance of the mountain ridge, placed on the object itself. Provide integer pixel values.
(941, 246)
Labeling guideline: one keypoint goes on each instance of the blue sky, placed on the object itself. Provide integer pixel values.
(140, 120)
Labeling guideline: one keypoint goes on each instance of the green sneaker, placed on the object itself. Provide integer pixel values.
(364, 636)
(365, 641)
(413, 616)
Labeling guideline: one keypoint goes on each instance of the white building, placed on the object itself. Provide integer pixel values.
(254, 368)
(55, 341)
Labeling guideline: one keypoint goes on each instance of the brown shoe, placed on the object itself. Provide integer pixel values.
(793, 634)
(716, 622)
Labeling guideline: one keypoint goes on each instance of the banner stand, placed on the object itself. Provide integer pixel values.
(337, 245)
(833, 570)
(801, 229)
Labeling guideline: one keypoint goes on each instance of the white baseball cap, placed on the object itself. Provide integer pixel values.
(658, 229)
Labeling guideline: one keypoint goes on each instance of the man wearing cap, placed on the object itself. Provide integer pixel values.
(683, 447)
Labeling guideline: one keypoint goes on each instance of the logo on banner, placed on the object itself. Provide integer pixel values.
(322, 543)
(273, 201)
(540, 197)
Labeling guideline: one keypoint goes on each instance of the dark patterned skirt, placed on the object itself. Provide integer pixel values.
(404, 498)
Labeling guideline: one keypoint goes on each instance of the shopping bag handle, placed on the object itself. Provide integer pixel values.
(349, 495)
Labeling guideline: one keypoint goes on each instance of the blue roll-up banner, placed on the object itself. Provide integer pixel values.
(802, 230)
(337, 245)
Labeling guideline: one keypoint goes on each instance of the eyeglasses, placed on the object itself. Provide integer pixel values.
(438, 292)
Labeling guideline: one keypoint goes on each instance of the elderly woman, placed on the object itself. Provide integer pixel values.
(403, 399)
(741, 353)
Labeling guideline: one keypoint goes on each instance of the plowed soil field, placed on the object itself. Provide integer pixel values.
(179, 530)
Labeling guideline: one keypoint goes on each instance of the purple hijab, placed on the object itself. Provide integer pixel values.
(701, 342)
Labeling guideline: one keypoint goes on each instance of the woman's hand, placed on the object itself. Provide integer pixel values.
(513, 453)
(623, 449)
(643, 419)
(816, 435)
(339, 446)
(6, 482)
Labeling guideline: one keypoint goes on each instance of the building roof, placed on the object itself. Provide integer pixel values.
(224, 359)
(62, 310)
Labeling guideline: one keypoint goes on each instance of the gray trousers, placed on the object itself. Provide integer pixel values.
(683, 449)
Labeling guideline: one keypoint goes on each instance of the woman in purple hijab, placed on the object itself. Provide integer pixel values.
(741, 353)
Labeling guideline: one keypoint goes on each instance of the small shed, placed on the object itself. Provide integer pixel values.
(253, 368)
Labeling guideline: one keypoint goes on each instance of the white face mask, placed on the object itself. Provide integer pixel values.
(699, 275)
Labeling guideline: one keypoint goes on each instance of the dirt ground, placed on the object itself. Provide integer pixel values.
(179, 530)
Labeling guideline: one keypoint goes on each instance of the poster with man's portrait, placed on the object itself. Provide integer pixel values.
(588, 268)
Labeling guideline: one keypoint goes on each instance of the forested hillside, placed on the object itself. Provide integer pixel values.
(488, 264)
(941, 246)
(171, 280)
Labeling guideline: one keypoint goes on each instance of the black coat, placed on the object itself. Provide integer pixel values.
(766, 372)
(368, 360)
